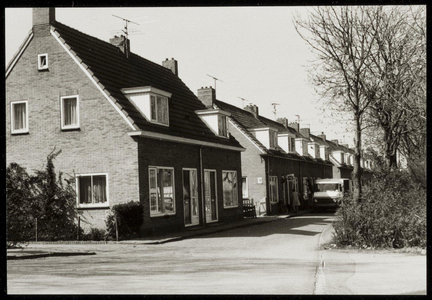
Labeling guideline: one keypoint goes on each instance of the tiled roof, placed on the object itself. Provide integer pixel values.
(114, 72)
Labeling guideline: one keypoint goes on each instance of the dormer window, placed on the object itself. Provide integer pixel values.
(43, 61)
(216, 120)
(159, 109)
(273, 139)
(152, 103)
(222, 126)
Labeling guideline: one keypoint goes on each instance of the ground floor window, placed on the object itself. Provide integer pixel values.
(273, 189)
(92, 189)
(210, 195)
(230, 192)
(161, 183)
(190, 196)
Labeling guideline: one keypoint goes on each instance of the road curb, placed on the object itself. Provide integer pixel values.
(320, 283)
(48, 254)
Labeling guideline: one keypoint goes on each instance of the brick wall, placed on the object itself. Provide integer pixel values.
(178, 156)
(100, 146)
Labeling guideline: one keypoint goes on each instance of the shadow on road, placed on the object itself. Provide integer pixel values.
(307, 225)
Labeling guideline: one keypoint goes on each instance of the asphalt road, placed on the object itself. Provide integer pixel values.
(280, 257)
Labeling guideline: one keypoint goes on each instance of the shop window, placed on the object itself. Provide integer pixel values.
(230, 191)
(273, 189)
(161, 183)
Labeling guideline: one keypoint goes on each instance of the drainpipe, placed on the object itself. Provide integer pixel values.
(202, 188)
(268, 203)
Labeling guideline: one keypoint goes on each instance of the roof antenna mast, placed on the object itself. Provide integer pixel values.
(274, 108)
(243, 100)
(125, 29)
(215, 79)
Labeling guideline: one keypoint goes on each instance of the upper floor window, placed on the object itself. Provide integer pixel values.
(273, 139)
(151, 102)
(43, 61)
(19, 117)
(292, 144)
(222, 126)
(159, 109)
(69, 112)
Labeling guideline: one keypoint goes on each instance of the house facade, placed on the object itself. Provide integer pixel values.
(128, 129)
(277, 159)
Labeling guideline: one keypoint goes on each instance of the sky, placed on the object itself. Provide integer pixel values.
(255, 52)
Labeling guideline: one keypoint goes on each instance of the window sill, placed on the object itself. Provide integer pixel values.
(161, 215)
(20, 132)
(228, 207)
(93, 206)
(71, 129)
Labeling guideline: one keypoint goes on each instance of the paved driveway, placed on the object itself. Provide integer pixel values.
(274, 258)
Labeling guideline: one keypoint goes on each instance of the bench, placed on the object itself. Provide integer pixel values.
(249, 208)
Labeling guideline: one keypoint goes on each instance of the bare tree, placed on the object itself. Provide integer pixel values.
(397, 64)
(342, 38)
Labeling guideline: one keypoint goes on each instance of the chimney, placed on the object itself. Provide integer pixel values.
(322, 136)
(122, 43)
(171, 64)
(294, 125)
(253, 109)
(305, 132)
(207, 95)
(335, 141)
(283, 121)
(43, 17)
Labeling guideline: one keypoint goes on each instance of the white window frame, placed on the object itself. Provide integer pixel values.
(40, 66)
(26, 128)
(156, 121)
(247, 188)
(216, 194)
(276, 198)
(75, 126)
(91, 205)
(157, 214)
(236, 194)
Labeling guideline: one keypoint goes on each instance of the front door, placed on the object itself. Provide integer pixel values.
(190, 197)
(210, 196)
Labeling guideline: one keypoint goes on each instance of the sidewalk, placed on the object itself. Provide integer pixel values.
(371, 272)
(190, 232)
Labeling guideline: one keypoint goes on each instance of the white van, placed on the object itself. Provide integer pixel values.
(329, 192)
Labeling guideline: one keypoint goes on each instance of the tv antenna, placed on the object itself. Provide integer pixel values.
(298, 118)
(274, 108)
(215, 79)
(125, 29)
(243, 100)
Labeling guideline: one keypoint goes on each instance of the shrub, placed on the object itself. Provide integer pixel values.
(94, 234)
(391, 214)
(43, 196)
(129, 220)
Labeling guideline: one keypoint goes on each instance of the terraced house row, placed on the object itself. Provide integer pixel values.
(130, 129)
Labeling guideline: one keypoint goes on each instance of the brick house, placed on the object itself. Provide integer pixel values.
(129, 129)
(277, 157)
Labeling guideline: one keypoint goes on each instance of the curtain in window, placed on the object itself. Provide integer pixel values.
(163, 107)
(99, 189)
(70, 111)
(153, 107)
(153, 191)
(19, 116)
(85, 195)
(244, 188)
(222, 125)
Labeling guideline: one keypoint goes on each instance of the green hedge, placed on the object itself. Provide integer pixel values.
(392, 214)
(129, 220)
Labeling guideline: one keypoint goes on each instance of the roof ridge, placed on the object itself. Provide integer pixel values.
(108, 44)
